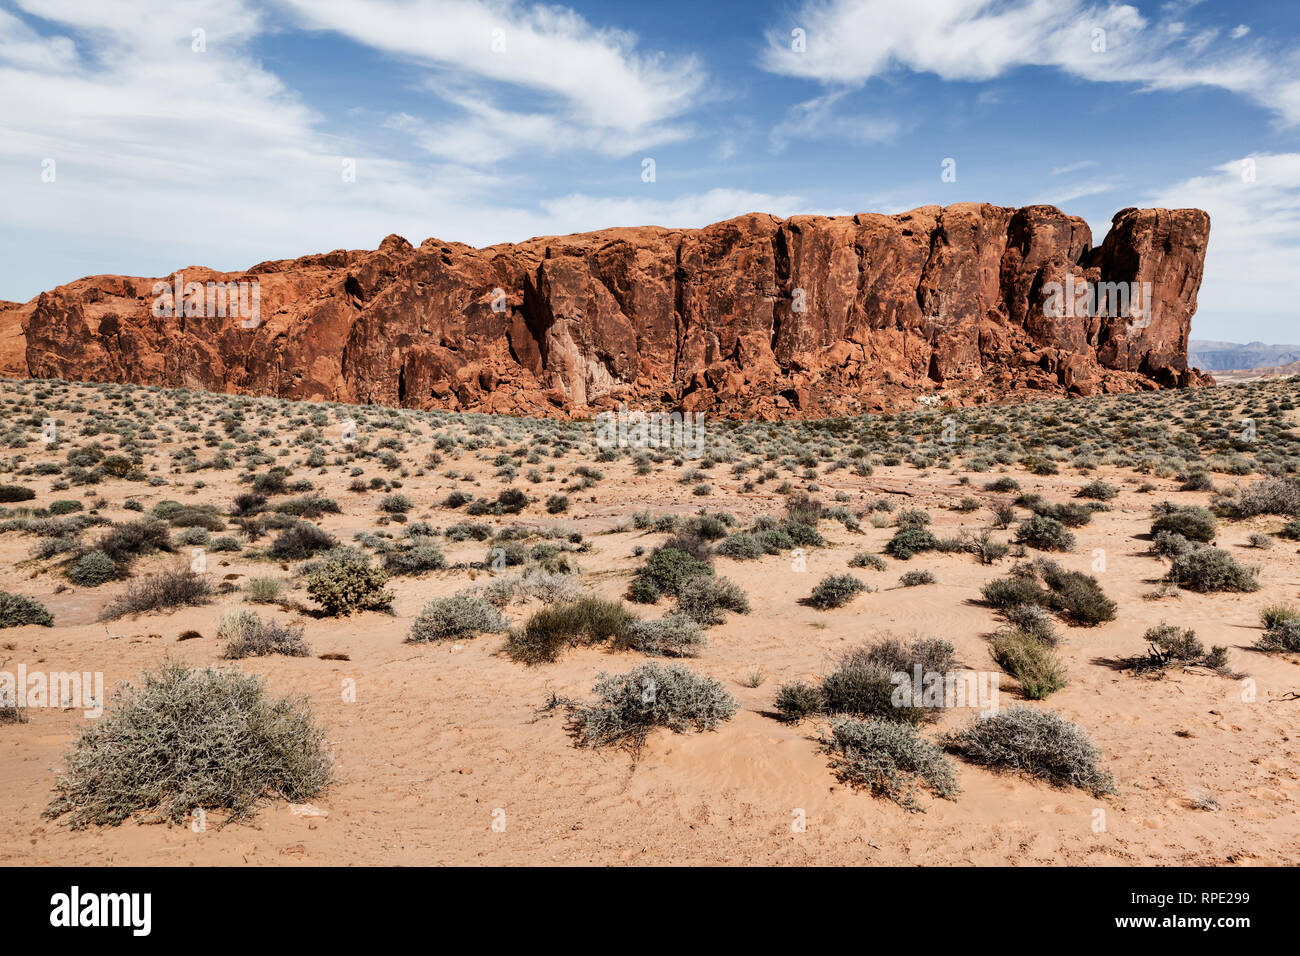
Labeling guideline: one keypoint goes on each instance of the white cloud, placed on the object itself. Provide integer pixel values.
(852, 41)
(1253, 257)
(167, 157)
(816, 119)
(597, 87)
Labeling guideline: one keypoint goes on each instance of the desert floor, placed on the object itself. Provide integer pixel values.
(443, 741)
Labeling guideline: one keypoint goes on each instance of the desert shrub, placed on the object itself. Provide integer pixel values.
(65, 506)
(187, 739)
(798, 700)
(1045, 534)
(92, 569)
(1040, 743)
(246, 635)
(179, 587)
(664, 572)
(1270, 496)
(224, 543)
(864, 559)
(300, 541)
(587, 620)
(1003, 485)
(835, 590)
(133, 539)
(1077, 597)
(341, 587)
(455, 618)
(263, 589)
(557, 504)
(1207, 569)
(1034, 621)
(1197, 480)
(186, 516)
(865, 688)
(246, 504)
(911, 579)
(1170, 544)
(1192, 522)
(889, 759)
(1069, 514)
(17, 610)
(742, 546)
(802, 508)
(10, 493)
(1031, 662)
(1098, 490)
(932, 655)
(704, 599)
(455, 499)
(1281, 628)
(395, 504)
(673, 635)
(1290, 530)
(510, 501)
(415, 560)
(910, 540)
(629, 706)
(311, 506)
(1013, 591)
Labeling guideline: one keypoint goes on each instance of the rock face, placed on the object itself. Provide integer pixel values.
(755, 316)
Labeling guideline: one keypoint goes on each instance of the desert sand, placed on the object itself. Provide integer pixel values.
(442, 741)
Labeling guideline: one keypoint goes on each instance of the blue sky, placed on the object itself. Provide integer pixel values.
(496, 121)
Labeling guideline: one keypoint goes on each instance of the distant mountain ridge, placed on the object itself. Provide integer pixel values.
(1230, 356)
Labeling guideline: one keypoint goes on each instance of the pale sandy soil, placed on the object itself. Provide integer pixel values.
(440, 738)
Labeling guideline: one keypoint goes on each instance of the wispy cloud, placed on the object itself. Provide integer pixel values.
(851, 41)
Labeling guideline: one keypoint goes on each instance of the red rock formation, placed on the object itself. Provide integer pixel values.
(755, 316)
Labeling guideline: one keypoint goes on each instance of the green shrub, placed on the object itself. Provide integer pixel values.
(587, 620)
(300, 541)
(1069, 514)
(890, 760)
(415, 560)
(187, 739)
(160, 592)
(909, 541)
(17, 610)
(134, 539)
(341, 587)
(664, 572)
(455, 618)
(835, 590)
(629, 706)
(799, 700)
(742, 546)
(673, 635)
(1040, 743)
(1098, 490)
(1032, 663)
(704, 599)
(1281, 628)
(1045, 534)
(864, 559)
(1207, 569)
(1192, 522)
(16, 493)
(865, 688)
(395, 504)
(263, 589)
(1078, 597)
(65, 506)
(92, 569)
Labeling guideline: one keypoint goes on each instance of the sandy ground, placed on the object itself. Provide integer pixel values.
(444, 741)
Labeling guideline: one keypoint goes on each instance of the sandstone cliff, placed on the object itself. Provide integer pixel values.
(755, 316)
